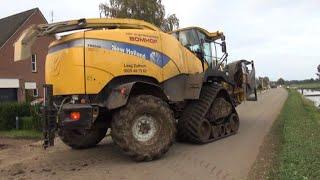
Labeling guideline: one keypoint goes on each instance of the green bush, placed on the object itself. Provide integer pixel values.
(26, 123)
(9, 111)
(30, 123)
(36, 117)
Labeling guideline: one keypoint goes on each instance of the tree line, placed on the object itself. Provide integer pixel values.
(152, 11)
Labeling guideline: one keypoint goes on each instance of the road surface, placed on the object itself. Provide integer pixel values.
(229, 158)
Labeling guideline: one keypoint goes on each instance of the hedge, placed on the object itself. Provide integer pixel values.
(9, 112)
(30, 123)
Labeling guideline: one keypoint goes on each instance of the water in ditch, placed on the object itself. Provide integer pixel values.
(313, 95)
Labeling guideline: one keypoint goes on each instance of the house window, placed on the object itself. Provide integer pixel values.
(34, 63)
(35, 93)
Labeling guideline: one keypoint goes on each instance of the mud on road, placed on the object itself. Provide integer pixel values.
(229, 158)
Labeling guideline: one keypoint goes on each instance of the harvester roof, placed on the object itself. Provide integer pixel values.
(210, 35)
(112, 23)
(27, 38)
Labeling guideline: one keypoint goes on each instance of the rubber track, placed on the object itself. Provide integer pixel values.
(196, 111)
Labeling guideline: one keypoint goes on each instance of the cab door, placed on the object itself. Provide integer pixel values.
(190, 40)
(194, 63)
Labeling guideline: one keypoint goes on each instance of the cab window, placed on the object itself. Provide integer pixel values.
(207, 52)
(190, 40)
(206, 45)
(196, 42)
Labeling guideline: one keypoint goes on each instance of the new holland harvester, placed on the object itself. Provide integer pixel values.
(146, 85)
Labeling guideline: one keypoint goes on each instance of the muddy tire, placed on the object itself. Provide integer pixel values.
(145, 128)
(78, 139)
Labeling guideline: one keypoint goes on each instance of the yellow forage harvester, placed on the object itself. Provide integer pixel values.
(148, 86)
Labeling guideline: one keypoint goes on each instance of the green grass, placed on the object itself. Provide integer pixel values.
(307, 85)
(23, 134)
(299, 152)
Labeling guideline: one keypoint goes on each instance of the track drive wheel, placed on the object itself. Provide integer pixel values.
(144, 128)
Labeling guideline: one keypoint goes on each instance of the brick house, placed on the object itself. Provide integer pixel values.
(24, 79)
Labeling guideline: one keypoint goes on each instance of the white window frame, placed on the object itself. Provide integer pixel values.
(30, 85)
(35, 92)
(34, 57)
(9, 83)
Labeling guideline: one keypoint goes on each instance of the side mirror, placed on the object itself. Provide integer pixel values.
(224, 47)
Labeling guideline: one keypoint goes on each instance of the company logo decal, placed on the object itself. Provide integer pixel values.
(143, 39)
(149, 54)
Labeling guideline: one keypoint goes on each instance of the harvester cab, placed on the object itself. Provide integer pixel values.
(211, 49)
(204, 45)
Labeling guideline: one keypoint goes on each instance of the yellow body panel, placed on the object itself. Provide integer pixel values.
(112, 53)
(170, 70)
(175, 51)
(103, 65)
(65, 70)
(194, 65)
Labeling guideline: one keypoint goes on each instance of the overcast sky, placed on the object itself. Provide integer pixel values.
(281, 36)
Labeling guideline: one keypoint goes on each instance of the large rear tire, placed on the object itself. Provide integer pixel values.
(145, 128)
(82, 139)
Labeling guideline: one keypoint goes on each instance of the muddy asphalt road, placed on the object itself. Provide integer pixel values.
(229, 158)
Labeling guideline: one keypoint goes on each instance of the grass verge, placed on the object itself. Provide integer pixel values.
(21, 134)
(291, 150)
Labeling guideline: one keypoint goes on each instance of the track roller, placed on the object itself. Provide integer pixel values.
(222, 130)
(234, 122)
(215, 132)
(228, 128)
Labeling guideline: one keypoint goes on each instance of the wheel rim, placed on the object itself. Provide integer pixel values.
(144, 128)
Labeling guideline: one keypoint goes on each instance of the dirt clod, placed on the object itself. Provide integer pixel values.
(46, 170)
(3, 146)
(84, 165)
(17, 172)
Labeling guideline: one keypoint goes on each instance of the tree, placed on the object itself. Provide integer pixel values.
(280, 81)
(151, 11)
